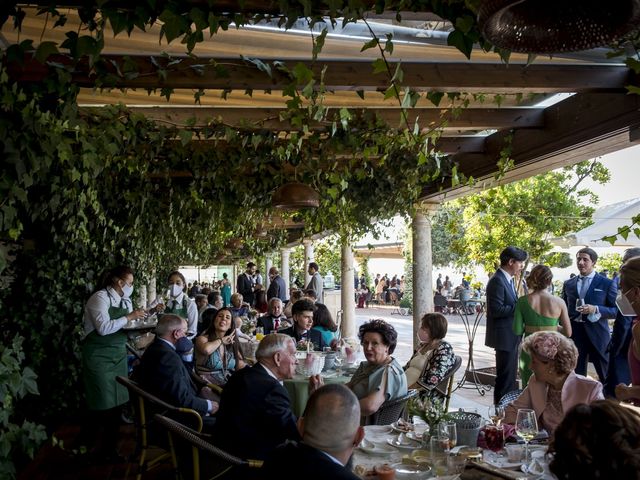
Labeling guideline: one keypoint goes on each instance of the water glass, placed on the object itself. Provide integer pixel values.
(448, 429)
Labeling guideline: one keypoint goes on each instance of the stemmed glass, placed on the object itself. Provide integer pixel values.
(338, 362)
(496, 414)
(527, 428)
(579, 304)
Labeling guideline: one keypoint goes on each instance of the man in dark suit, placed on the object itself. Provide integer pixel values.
(590, 323)
(273, 320)
(501, 304)
(244, 283)
(255, 411)
(330, 430)
(162, 373)
(277, 287)
(618, 371)
(302, 314)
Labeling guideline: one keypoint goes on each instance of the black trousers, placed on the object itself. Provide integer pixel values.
(506, 371)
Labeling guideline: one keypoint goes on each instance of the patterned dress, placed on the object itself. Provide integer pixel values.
(437, 365)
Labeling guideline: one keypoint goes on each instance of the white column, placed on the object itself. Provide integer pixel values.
(265, 277)
(347, 292)
(284, 269)
(422, 265)
(308, 257)
(151, 289)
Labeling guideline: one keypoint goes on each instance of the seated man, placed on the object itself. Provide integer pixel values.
(274, 319)
(302, 312)
(255, 411)
(162, 372)
(330, 430)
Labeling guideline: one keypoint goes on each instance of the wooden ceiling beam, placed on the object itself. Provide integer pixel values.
(270, 118)
(579, 128)
(193, 73)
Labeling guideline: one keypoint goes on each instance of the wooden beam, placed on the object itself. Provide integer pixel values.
(270, 118)
(197, 73)
(580, 128)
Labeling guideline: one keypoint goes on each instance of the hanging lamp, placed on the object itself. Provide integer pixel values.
(295, 195)
(555, 26)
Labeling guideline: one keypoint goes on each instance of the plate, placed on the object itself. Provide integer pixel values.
(378, 449)
(377, 428)
(531, 475)
(402, 427)
(140, 325)
(503, 464)
(416, 437)
(402, 446)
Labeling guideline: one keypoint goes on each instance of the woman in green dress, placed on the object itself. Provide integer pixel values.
(539, 311)
(104, 355)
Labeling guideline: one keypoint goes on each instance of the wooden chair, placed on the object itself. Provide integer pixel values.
(391, 410)
(144, 404)
(196, 458)
(509, 397)
(445, 387)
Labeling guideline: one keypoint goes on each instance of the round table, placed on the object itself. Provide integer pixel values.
(298, 389)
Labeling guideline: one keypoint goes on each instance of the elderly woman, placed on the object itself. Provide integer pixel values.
(380, 377)
(628, 302)
(433, 358)
(538, 311)
(274, 320)
(238, 307)
(596, 441)
(554, 387)
(217, 351)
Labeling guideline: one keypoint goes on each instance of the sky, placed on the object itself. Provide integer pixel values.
(624, 167)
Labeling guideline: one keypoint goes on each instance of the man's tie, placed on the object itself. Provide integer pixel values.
(513, 287)
(276, 324)
(584, 286)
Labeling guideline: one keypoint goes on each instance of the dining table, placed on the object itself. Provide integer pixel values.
(298, 388)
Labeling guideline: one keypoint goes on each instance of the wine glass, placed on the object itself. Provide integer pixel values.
(338, 362)
(579, 304)
(527, 428)
(448, 429)
(496, 414)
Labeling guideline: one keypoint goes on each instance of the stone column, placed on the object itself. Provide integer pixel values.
(347, 292)
(151, 289)
(268, 265)
(308, 257)
(422, 264)
(284, 269)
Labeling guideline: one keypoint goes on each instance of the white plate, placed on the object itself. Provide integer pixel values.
(402, 446)
(531, 475)
(502, 463)
(377, 428)
(402, 429)
(414, 436)
(378, 449)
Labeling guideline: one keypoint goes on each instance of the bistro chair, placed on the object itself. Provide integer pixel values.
(144, 405)
(445, 387)
(509, 397)
(196, 458)
(390, 411)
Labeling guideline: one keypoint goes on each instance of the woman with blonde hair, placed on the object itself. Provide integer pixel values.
(554, 387)
(538, 311)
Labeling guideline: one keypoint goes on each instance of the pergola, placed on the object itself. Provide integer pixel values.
(551, 113)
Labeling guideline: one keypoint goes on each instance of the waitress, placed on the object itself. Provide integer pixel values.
(104, 354)
(179, 303)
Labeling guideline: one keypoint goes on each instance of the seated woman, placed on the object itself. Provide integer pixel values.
(538, 311)
(596, 441)
(323, 322)
(433, 358)
(238, 307)
(553, 388)
(380, 377)
(217, 350)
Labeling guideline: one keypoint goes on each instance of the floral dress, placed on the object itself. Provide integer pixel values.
(435, 368)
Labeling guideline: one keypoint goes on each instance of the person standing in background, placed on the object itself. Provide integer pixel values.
(501, 305)
(245, 282)
(316, 283)
(225, 290)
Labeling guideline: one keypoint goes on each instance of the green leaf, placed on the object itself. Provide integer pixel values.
(633, 64)
(379, 66)
(370, 44)
(44, 50)
(435, 97)
(360, 93)
(461, 41)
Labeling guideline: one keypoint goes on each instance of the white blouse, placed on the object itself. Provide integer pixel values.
(96, 312)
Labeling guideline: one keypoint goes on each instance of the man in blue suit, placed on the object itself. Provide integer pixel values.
(501, 304)
(589, 323)
(618, 371)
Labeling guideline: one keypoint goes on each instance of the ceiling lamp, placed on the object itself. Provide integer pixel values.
(295, 195)
(554, 26)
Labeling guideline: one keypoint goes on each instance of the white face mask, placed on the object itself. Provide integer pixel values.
(175, 290)
(624, 305)
(127, 290)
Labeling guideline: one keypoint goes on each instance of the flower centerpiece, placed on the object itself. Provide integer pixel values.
(431, 410)
(248, 325)
(305, 346)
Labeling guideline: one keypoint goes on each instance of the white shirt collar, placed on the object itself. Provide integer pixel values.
(590, 276)
(334, 459)
(271, 374)
(178, 298)
(506, 274)
(167, 342)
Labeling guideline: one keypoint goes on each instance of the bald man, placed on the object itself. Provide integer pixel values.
(330, 430)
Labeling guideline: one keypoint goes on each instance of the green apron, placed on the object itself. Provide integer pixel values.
(103, 358)
(180, 311)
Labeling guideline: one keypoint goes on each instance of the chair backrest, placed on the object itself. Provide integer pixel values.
(509, 397)
(445, 387)
(440, 301)
(195, 457)
(391, 410)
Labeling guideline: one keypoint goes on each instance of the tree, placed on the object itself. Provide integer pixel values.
(328, 256)
(444, 232)
(610, 262)
(525, 214)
